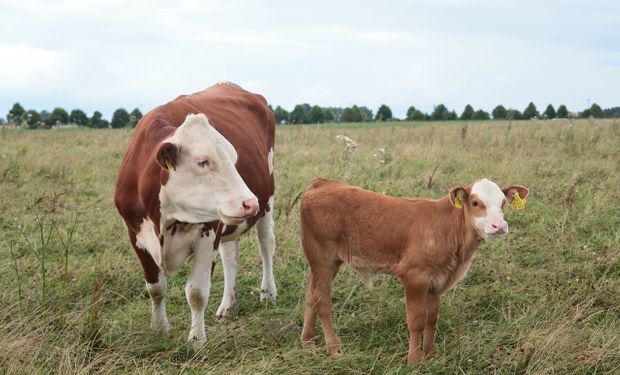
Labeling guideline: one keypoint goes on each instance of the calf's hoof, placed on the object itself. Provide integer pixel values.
(415, 357)
(335, 348)
(308, 343)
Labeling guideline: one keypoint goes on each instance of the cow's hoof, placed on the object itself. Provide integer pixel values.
(224, 311)
(161, 326)
(197, 338)
(268, 296)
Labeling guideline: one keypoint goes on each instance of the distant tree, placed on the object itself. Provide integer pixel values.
(562, 112)
(594, 111)
(134, 117)
(299, 114)
(58, 117)
(441, 113)
(414, 114)
(468, 112)
(281, 115)
(351, 114)
(328, 116)
(78, 117)
(336, 112)
(530, 112)
(514, 114)
(2, 121)
(97, 121)
(33, 119)
(316, 115)
(384, 113)
(480, 115)
(499, 112)
(120, 118)
(550, 112)
(612, 112)
(15, 114)
(366, 114)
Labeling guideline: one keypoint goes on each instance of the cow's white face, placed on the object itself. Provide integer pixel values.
(203, 183)
(484, 203)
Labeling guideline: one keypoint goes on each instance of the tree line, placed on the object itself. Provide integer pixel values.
(33, 119)
(307, 114)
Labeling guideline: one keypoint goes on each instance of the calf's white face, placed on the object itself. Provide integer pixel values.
(484, 202)
(203, 183)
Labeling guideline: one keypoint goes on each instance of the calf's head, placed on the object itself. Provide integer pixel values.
(203, 183)
(483, 204)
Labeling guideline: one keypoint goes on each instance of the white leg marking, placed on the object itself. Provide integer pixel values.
(270, 162)
(147, 239)
(229, 252)
(199, 284)
(267, 245)
(157, 291)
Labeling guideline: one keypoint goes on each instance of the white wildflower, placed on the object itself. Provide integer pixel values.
(350, 143)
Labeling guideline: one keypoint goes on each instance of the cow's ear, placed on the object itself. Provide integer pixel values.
(458, 195)
(167, 155)
(510, 192)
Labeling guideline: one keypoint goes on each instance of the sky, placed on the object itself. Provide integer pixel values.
(102, 55)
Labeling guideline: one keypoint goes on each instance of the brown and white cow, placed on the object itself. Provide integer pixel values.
(198, 173)
(428, 244)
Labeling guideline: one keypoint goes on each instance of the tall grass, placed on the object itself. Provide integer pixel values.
(543, 301)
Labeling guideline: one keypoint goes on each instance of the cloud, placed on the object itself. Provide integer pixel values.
(105, 55)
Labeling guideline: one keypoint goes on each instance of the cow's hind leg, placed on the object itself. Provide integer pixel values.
(198, 286)
(267, 244)
(229, 252)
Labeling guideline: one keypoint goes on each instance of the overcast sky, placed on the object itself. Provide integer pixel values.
(101, 55)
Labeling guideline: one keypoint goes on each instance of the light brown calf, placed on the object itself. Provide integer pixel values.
(428, 244)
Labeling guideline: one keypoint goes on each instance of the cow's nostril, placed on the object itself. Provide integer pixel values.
(250, 206)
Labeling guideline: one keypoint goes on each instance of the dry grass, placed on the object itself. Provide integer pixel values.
(544, 301)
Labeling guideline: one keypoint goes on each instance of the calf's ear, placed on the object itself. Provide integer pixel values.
(167, 155)
(510, 192)
(458, 195)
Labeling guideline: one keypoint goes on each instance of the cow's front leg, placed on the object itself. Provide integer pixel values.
(229, 252)
(267, 244)
(199, 284)
(157, 292)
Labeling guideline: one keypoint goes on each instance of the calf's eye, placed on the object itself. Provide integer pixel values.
(203, 163)
(475, 204)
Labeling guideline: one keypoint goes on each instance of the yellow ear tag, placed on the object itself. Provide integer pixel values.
(518, 203)
(457, 203)
(169, 165)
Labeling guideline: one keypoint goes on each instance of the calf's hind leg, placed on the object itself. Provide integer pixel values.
(308, 334)
(322, 294)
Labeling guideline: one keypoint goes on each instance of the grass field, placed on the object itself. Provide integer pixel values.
(544, 301)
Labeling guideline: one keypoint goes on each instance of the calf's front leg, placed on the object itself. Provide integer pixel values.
(431, 322)
(416, 298)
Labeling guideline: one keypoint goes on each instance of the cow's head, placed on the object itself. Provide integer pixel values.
(483, 205)
(203, 183)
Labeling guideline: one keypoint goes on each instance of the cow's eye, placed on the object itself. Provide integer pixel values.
(475, 204)
(203, 163)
